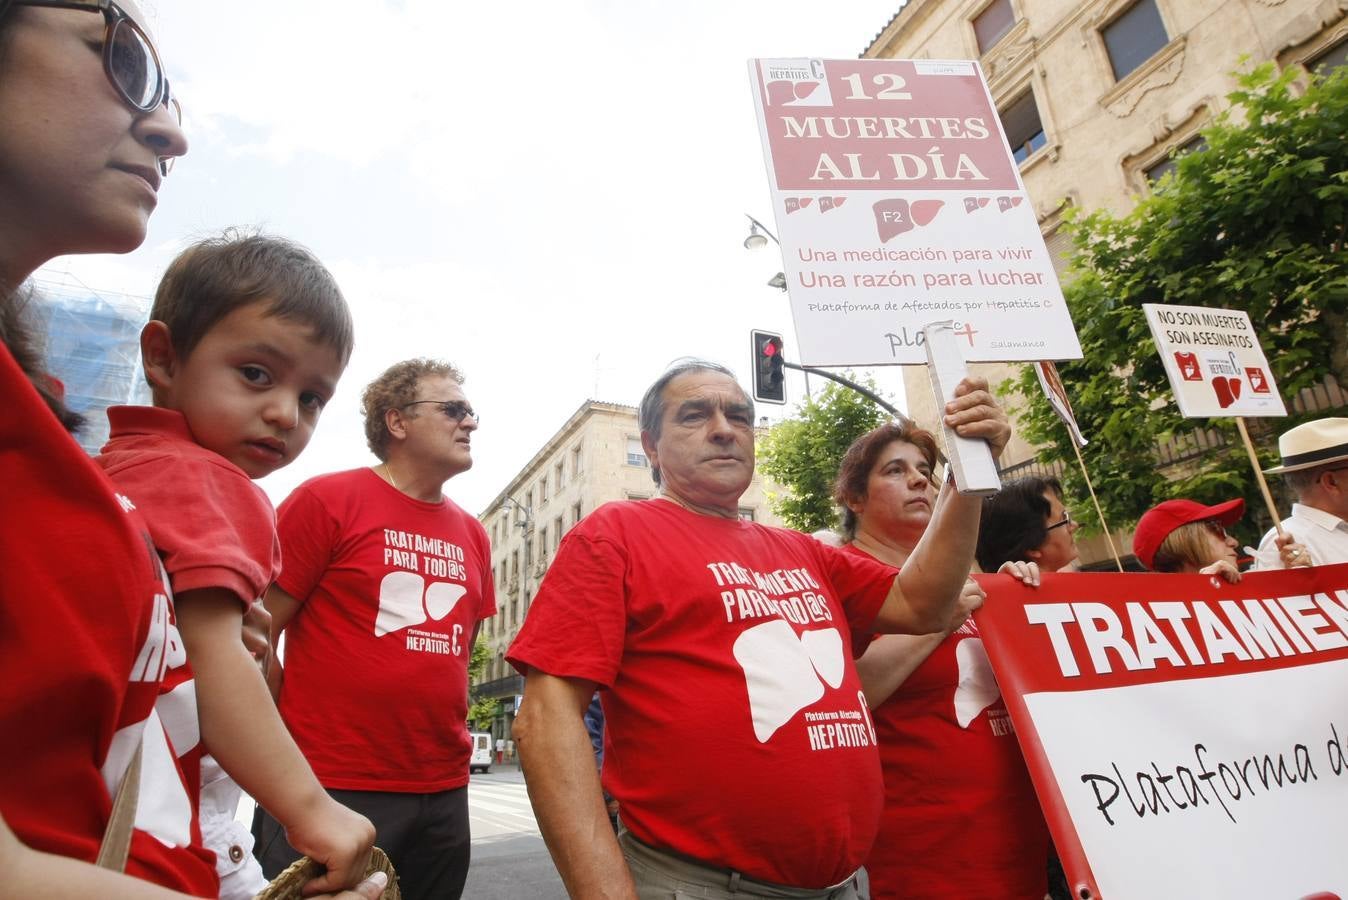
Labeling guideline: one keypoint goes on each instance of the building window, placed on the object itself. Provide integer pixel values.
(543, 490)
(529, 500)
(635, 455)
(575, 462)
(1333, 58)
(515, 566)
(1024, 132)
(636, 495)
(1160, 169)
(556, 534)
(1134, 37)
(575, 514)
(747, 514)
(992, 24)
(557, 474)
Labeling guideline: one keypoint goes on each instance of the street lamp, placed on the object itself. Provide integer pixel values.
(757, 240)
(758, 235)
(524, 516)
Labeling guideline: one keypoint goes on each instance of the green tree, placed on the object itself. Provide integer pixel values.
(482, 710)
(802, 453)
(1254, 221)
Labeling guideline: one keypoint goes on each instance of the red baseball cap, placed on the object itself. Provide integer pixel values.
(1157, 523)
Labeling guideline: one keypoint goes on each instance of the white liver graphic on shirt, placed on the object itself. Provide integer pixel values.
(783, 672)
(404, 601)
(977, 688)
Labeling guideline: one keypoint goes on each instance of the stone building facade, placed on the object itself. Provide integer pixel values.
(1097, 96)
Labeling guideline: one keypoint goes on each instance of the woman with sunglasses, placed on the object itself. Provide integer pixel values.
(1184, 536)
(88, 131)
(960, 817)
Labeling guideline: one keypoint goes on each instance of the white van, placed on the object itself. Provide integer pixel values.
(481, 758)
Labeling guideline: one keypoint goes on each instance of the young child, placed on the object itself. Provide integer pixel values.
(247, 339)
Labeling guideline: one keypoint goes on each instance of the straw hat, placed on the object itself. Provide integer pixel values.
(1313, 444)
(287, 885)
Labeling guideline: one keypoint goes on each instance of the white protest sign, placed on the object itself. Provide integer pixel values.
(1187, 737)
(1214, 361)
(898, 204)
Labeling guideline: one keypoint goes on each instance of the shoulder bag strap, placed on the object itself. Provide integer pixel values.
(117, 837)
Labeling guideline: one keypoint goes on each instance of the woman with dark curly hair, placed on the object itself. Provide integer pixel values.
(1026, 522)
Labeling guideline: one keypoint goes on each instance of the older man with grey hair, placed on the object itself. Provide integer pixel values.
(739, 745)
(1315, 468)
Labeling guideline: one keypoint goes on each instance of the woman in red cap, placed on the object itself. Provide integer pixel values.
(1185, 536)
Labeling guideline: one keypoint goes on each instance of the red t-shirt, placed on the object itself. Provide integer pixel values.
(961, 818)
(85, 635)
(212, 526)
(376, 658)
(736, 731)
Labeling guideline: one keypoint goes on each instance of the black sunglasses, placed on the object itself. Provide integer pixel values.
(129, 59)
(454, 409)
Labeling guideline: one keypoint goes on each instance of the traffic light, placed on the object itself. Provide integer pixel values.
(769, 367)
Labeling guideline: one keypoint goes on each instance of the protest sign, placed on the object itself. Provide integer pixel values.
(1187, 737)
(1215, 363)
(899, 204)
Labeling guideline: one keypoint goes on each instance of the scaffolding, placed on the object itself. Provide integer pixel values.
(92, 341)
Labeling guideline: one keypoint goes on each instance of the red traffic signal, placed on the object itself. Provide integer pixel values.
(768, 367)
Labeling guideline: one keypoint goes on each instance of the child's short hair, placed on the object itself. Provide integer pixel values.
(218, 275)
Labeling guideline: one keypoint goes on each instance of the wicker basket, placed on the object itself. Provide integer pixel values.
(287, 885)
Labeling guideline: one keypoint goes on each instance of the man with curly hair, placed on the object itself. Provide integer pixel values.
(384, 582)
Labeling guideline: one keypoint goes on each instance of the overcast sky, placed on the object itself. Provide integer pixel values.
(549, 195)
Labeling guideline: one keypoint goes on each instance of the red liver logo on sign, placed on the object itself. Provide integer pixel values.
(1228, 390)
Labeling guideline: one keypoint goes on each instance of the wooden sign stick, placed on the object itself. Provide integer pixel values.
(1099, 512)
(1259, 474)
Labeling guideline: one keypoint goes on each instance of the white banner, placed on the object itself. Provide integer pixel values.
(1187, 737)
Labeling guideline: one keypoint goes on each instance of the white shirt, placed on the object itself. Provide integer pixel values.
(240, 875)
(1324, 535)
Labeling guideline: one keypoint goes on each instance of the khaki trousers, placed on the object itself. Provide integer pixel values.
(660, 875)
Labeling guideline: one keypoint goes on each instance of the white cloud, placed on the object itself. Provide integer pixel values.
(551, 195)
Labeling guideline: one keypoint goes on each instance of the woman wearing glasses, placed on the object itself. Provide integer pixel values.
(1184, 536)
(88, 131)
(1026, 525)
(960, 816)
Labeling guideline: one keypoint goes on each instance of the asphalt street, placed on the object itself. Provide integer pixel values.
(509, 858)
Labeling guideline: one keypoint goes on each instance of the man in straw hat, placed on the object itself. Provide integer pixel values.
(1315, 467)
